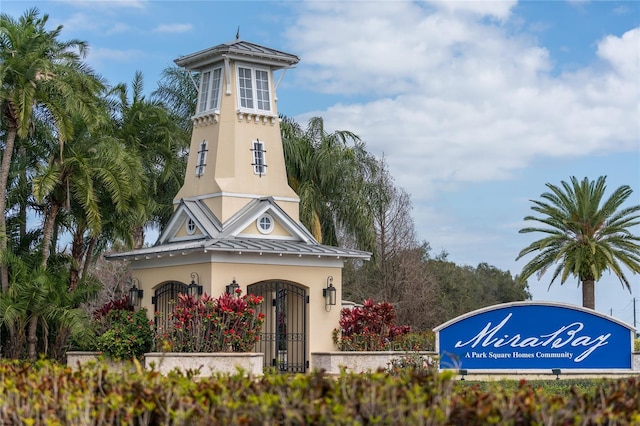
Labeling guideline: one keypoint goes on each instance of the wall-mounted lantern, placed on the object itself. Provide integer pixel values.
(194, 289)
(329, 294)
(135, 293)
(232, 287)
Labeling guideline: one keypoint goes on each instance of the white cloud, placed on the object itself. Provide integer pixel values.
(104, 55)
(619, 52)
(173, 28)
(456, 98)
(495, 9)
(109, 5)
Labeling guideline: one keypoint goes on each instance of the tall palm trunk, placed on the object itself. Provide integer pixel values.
(588, 294)
(88, 256)
(22, 185)
(4, 178)
(138, 237)
(47, 231)
(77, 253)
(32, 337)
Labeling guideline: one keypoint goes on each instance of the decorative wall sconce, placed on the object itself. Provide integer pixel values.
(135, 293)
(329, 294)
(194, 289)
(232, 287)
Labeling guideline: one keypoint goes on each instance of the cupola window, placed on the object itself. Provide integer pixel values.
(202, 159)
(254, 92)
(259, 161)
(209, 95)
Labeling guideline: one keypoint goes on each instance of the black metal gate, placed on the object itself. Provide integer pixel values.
(163, 300)
(284, 338)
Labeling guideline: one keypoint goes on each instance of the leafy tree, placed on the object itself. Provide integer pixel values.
(396, 271)
(331, 173)
(151, 133)
(90, 169)
(586, 234)
(178, 92)
(39, 72)
(37, 304)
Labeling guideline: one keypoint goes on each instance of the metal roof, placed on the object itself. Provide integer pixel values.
(228, 239)
(243, 245)
(238, 49)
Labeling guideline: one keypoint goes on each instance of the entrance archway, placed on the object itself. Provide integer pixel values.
(163, 300)
(284, 334)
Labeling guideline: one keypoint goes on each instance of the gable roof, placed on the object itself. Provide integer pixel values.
(196, 210)
(227, 237)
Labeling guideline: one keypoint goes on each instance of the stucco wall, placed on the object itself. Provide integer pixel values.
(207, 364)
(224, 268)
(360, 362)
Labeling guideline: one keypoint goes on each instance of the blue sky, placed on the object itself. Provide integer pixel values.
(475, 105)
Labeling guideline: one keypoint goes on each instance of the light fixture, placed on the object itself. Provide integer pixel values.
(194, 289)
(557, 372)
(463, 373)
(232, 287)
(135, 293)
(329, 294)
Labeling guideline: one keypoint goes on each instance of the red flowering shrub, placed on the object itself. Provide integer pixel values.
(368, 328)
(229, 323)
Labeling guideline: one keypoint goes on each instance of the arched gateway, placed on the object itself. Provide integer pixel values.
(284, 333)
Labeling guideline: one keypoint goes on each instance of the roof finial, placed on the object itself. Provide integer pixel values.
(238, 33)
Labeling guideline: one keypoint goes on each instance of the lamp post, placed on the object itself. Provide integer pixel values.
(329, 294)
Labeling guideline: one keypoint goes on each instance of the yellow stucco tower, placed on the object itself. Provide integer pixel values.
(236, 135)
(236, 220)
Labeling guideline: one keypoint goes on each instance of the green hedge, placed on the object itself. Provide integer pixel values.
(47, 393)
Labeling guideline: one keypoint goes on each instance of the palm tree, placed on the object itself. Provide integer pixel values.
(38, 72)
(586, 235)
(148, 130)
(92, 172)
(39, 302)
(332, 173)
(178, 92)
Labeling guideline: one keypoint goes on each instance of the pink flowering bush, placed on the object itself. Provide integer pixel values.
(368, 328)
(229, 323)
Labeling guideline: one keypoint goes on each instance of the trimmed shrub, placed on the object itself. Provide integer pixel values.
(31, 393)
(129, 334)
(368, 328)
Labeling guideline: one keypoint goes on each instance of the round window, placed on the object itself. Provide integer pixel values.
(191, 226)
(265, 224)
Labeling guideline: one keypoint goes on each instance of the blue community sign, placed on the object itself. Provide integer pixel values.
(533, 336)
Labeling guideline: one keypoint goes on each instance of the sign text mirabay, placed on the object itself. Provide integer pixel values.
(529, 335)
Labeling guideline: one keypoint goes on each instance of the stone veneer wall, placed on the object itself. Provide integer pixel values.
(361, 361)
(208, 364)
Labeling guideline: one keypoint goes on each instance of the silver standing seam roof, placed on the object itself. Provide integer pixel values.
(243, 245)
(237, 49)
(225, 238)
